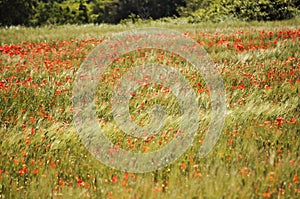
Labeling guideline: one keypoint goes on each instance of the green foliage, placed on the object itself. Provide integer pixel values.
(44, 12)
(48, 13)
(16, 12)
(193, 6)
(115, 11)
(263, 10)
(60, 13)
(215, 12)
(83, 13)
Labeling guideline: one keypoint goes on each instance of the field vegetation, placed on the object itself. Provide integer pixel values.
(256, 156)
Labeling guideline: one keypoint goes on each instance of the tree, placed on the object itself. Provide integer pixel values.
(16, 12)
(83, 13)
(114, 11)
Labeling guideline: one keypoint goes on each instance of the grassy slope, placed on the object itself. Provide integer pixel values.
(254, 157)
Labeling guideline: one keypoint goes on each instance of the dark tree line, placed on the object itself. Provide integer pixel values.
(115, 11)
(16, 12)
(43, 12)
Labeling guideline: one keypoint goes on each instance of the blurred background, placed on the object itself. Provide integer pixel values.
(58, 12)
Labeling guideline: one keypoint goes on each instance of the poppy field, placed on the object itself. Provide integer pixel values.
(257, 154)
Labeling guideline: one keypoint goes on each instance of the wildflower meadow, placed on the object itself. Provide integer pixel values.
(257, 154)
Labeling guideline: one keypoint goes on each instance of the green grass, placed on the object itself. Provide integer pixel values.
(14, 35)
(256, 156)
